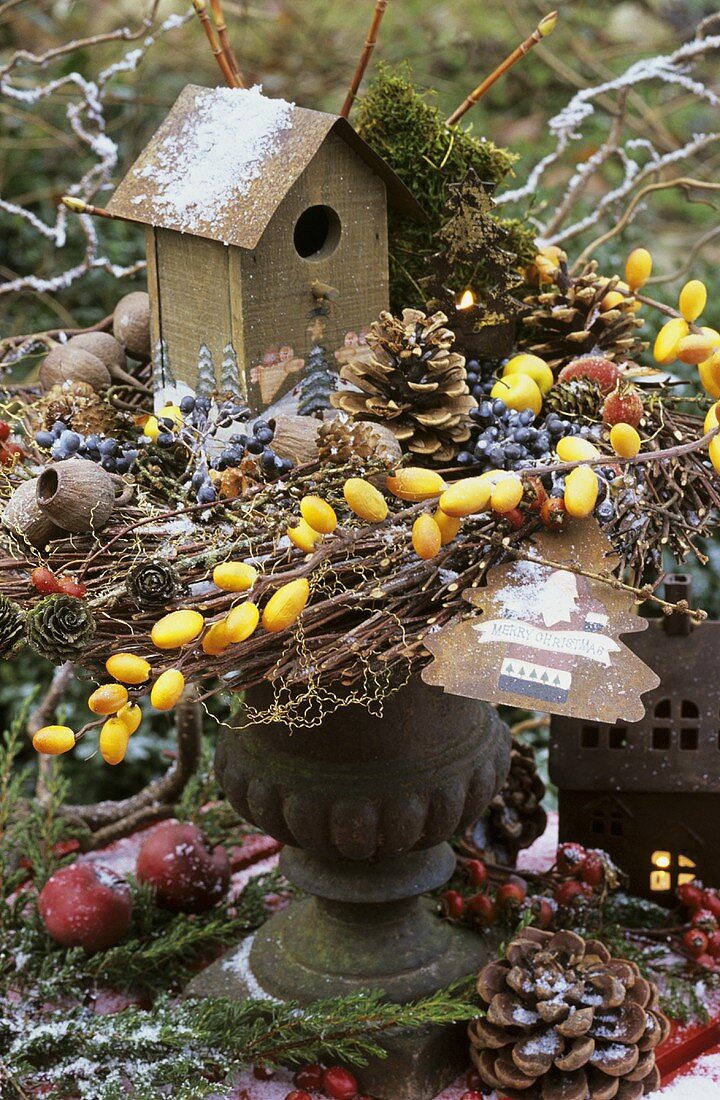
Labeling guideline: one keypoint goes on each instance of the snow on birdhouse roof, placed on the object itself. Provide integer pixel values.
(225, 158)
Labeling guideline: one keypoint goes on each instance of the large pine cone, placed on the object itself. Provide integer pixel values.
(565, 1021)
(566, 320)
(515, 818)
(414, 383)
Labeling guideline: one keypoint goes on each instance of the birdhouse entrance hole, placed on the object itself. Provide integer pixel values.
(317, 233)
(670, 870)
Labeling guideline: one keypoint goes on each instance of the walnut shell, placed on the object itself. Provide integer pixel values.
(131, 324)
(66, 364)
(109, 350)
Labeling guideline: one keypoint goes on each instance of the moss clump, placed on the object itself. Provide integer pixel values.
(408, 130)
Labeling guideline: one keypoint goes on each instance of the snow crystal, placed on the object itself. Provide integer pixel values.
(702, 1084)
(543, 1044)
(239, 963)
(522, 1015)
(217, 153)
(519, 598)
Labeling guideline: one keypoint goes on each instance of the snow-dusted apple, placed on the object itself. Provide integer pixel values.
(86, 905)
(186, 872)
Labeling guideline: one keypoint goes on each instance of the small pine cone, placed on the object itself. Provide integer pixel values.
(581, 397)
(414, 383)
(152, 584)
(567, 319)
(341, 439)
(565, 1021)
(515, 818)
(79, 406)
(12, 628)
(59, 627)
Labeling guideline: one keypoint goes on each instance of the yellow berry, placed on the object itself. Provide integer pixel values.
(667, 340)
(696, 349)
(581, 491)
(167, 689)
(365, 500)
(177, 629)
(693, 298)
(466, 497)
(638, 268)
(318, 514)
(449, 526)
(128, 668)
(519, 392)
(234, 576)
(114, 737)
(709, 373)
(624, 440)
(284, 607)
(712, 418)
(108, 698)
(426, 537)
(573, 448)
(714, 452)
(507, 494)
(131, 716)
(304, 537)
(413, 483)
(241, 622)
(53, 740)
(216, 639)
(534, 367)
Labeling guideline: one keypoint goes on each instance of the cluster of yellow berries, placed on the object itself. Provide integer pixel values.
(683, 339)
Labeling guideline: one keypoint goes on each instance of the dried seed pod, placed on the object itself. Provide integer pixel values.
(507, 494)
(234, 576)
(695, 349)
(113, 743)
(693, 299)
(216, 639)
(303, 537)
(318, 514)
(131, 324)
(665, 348)
(285, 605)
(466, 497)
(167, 689)
(295, 438)
(67, 364)
(365, 500)
(414, 483)
(449, 526)
(625, 440)
(572, 448)
(638, 268)
(107, 349)
(581, 491)
(242, 622)
(177, 629)
(108, 698)
(426, 537)
(131, 716)
(128, 668)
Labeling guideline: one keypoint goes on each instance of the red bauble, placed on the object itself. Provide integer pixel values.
(454, 903)
(86, 905)
(593, 870)
(691, 895)
(309, 1077)
(340, 1084)
(483, 908)
(188, 876)
(477, 871)
(510, 895)
(695, 942)
(571, 859)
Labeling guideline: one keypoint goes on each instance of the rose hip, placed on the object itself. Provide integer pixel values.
(477, 871)
(454, 903)
(593, 870)
(340, 1083)
(696, 942)
(309, 1077)
(691, 895)
(571, 859)
(510, 895)
(482, 907)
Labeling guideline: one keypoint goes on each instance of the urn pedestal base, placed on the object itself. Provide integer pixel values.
(365, 806)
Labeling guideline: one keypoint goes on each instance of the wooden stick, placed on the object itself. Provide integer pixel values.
(545, 27)
(225, 44)
(79, 206)
(380, 9)
(230, 78)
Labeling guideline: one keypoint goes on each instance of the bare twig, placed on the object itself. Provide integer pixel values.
(223, 64)
(370, 41)
(225, 44)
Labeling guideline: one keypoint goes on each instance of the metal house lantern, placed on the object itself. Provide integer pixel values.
(648, 792)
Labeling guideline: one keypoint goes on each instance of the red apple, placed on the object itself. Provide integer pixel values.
(188, 876)
(86, 905)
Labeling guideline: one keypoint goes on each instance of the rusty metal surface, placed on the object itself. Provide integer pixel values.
(244, 219)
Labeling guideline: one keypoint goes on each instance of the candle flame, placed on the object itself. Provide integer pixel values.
(467, 299)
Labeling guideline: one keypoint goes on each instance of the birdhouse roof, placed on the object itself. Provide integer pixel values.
(225, 158)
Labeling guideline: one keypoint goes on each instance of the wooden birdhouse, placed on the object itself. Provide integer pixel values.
(266, 236)
(648, 792)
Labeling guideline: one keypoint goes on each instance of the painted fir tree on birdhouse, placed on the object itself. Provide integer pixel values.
(255, 208)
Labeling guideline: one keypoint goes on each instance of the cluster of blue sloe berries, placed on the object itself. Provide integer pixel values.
(114, 455)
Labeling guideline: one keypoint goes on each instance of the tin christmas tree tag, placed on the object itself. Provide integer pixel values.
(547, 636)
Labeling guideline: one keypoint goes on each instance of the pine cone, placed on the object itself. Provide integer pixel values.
(565, 320)
(581, 397)
(565, 1021)
(152, 584)
(12, 628)
(414, 383)
(515, 818)
(340, 440)
(59, 627)
(80, 407)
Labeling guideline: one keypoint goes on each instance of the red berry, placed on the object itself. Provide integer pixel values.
(8, 453)
(4, 430)
(593, 870)
(298, 1094)
(535, 493)
(567, 892)
(714, 945)
(553, 513)
(262, 1073)
(691, 895)
(86, 905)
(45, 581)
(696, 942)
(571, 859)
(477, 871)
(711, 901)
(471, 1095)
(340, 1084)
(309, 1077)
(595, 368)
(707, 961)
(514, 518)
(69, 587)
(510, 895)
(705, 920)
(544, 910)
(483, 908)
(454, 903)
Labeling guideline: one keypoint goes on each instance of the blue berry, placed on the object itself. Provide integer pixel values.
(206, 494)
(44, 439)
(187, 405)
